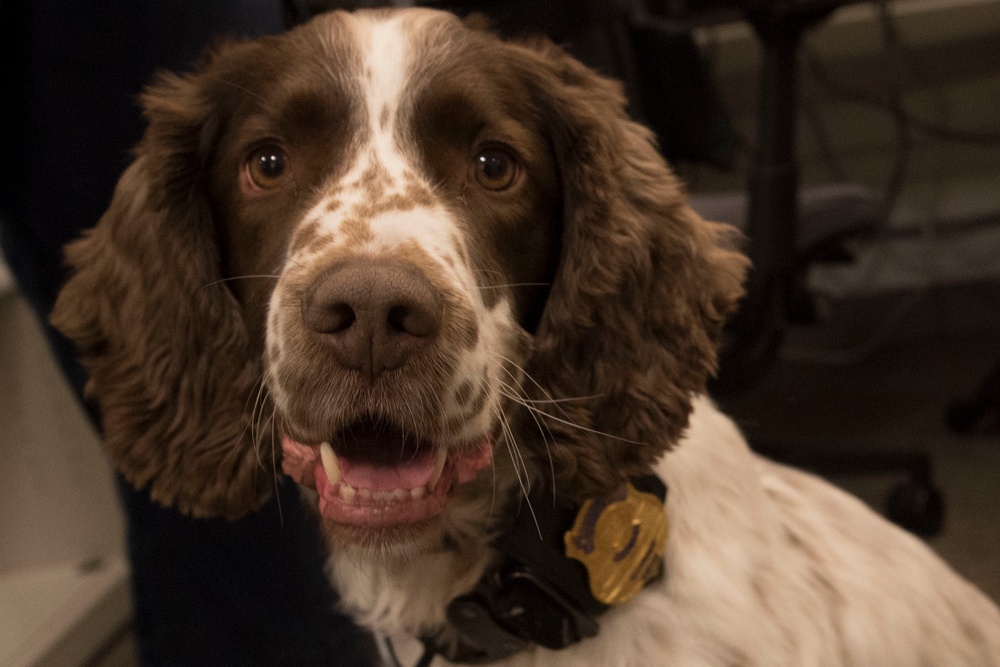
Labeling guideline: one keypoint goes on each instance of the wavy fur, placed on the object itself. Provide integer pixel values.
(162, 339)
(642, 291)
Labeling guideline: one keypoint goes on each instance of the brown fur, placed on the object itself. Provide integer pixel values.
(630, 325)
(642, 292)
(166, 350)
(163, 341)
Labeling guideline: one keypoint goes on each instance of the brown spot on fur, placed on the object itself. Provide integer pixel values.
(411, 251)
(463, 393)
(973, 632)
(377, 206)
(478, 402)
(827, 590)
(378, 202)
(419, 194)
(793, 539)
(470, 411)
(356, 231)
(737, 658)
(375, 179)
(466, 331)
(306, 235)
(383, 117)
(333, 205)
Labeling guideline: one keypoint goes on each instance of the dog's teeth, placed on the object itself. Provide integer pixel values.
(400, 494)
(365, 494)
(442, 455)
(330, 465)
(418, 492)
(381, 495)
(347, 492)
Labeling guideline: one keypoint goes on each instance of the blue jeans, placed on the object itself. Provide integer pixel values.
(207, 592)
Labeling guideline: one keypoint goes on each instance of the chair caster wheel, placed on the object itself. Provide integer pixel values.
(917, 507)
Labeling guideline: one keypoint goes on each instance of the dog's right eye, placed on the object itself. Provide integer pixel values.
(267, 167)
(495, 168)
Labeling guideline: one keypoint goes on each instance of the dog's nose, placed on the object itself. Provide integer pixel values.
(374, 315)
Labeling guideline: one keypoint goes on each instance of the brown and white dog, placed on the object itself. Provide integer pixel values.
(437, 269)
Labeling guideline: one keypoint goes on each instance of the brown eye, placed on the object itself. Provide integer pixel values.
(268, 166)
(496, 168)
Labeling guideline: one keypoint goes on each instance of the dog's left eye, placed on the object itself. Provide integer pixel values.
(495, 168)
(268, 166)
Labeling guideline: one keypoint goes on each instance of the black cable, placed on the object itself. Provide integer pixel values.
(814, 119)
(818, 70)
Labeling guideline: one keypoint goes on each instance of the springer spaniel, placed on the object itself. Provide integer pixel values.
(461, 291)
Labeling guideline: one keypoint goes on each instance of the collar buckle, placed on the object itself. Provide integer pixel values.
(510, 609)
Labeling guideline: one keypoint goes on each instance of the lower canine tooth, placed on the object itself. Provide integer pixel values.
(442, 455)
(418, 493)
(330, 465)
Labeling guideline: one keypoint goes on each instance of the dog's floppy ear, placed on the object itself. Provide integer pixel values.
(641, 293)
(162, 339)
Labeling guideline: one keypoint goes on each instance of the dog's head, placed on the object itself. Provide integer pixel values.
(419, 260)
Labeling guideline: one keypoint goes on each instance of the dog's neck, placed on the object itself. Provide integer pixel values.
(409, 592)
(427, 593)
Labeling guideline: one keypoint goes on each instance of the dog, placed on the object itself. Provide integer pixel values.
(448, 286)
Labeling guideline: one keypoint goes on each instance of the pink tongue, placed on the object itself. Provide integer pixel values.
(409, 474)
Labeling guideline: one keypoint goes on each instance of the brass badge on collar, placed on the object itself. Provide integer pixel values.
(620, 539)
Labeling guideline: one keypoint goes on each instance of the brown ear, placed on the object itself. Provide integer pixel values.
(162, 340)
(641, 294)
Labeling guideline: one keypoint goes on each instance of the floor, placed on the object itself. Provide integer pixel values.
(64, 581)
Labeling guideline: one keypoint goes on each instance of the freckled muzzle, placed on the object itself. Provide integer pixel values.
(368, 390)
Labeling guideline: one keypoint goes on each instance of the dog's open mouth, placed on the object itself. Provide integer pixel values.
(373, 474)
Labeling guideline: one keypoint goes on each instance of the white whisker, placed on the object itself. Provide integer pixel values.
(226, 280)
(524, 484)
(576, 426)
(274, 465)
(542, 430)
(234, 85)
(514, 285)
(527, 376)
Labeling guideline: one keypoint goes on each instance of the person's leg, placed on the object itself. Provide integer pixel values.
(249, 592)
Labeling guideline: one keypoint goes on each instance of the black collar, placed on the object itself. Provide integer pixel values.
(537, 594)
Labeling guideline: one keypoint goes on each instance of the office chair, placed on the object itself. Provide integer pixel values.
(790, 228)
